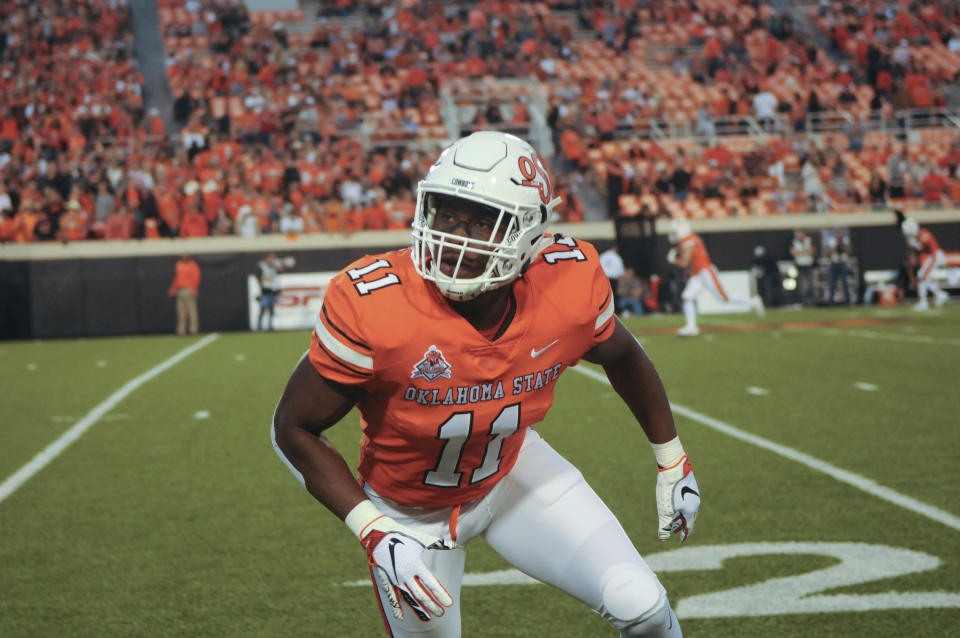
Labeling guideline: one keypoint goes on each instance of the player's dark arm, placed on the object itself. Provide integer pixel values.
(634, 378)
(310, 404)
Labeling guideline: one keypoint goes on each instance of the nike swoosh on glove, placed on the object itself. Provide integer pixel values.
(395, 554)
(678, 499)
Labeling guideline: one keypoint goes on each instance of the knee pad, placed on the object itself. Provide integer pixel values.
(635, 603)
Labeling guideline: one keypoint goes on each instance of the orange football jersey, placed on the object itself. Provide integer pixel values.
(445, 409)
(700, 259)
(927, 242)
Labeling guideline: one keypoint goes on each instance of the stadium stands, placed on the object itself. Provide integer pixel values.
(328, 113)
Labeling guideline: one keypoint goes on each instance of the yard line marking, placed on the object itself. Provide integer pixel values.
(71, 419)
(51, 452)
(887, 336)
(844, 476)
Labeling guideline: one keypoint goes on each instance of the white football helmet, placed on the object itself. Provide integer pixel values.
(679, 228)
(910, 227)
(498, 171)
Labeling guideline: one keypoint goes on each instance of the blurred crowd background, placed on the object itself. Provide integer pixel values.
(201, 117)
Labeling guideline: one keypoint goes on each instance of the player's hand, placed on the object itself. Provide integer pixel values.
(678, 499)
(672, 255)
(395, 554)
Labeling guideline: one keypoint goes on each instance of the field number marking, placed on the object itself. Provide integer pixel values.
(860, 563)
(800, 594)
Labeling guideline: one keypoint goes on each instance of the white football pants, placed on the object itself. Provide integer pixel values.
(925, 284)
(545, 520)
(708, 279)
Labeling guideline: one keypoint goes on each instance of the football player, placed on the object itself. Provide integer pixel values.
(688, 252)
(930, 256)
(451, 350)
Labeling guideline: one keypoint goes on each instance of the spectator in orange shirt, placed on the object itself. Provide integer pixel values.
(933, 185)
(184, 288)
(168, 207)
(73, 223)
(8, 226)
(119, 224)
(194, 224)
(25, 221)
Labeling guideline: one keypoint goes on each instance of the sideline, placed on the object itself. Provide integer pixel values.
(51, 452)
(844, 476)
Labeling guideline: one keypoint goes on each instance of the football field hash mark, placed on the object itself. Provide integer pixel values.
(844, 476)
(42, 459)
(757, 391)
(866, 387)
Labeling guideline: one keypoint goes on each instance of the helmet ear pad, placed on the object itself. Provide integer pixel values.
(502, 173)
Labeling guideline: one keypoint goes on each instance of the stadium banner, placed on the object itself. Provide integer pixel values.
(298, 300)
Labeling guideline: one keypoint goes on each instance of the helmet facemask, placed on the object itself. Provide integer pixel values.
(464, 259)
(495, 176)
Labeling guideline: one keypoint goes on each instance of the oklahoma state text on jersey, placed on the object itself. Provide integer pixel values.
(445, 409)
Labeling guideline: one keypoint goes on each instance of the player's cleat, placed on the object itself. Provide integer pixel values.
(941, 298)
(756, 305)
(688, 331)
(921, 306)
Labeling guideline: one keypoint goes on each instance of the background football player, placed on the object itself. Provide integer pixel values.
(930, 257)
(688, 252)
(451, 351)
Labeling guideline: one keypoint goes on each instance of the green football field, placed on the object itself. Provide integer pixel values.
(138, 500)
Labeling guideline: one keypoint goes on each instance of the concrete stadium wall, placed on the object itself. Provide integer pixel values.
(119, 288)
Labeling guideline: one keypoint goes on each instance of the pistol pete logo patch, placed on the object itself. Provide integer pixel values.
(432, 366)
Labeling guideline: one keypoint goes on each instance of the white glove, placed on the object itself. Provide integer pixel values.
(678, 499)
(672, 255)
(395, 553)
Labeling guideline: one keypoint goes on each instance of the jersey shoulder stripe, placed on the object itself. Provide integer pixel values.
(606, 313)
(332, 345)
(342, 333)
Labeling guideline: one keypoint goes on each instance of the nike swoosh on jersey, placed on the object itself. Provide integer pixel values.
(684, 490)
(534, 353)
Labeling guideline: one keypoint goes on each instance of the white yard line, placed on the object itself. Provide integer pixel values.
(889, 336)
(51, 452)
(844, 476)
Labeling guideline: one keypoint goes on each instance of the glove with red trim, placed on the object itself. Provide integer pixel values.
(678, 499)
(395, 554)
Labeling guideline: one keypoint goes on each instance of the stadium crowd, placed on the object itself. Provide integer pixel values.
(300, 123)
